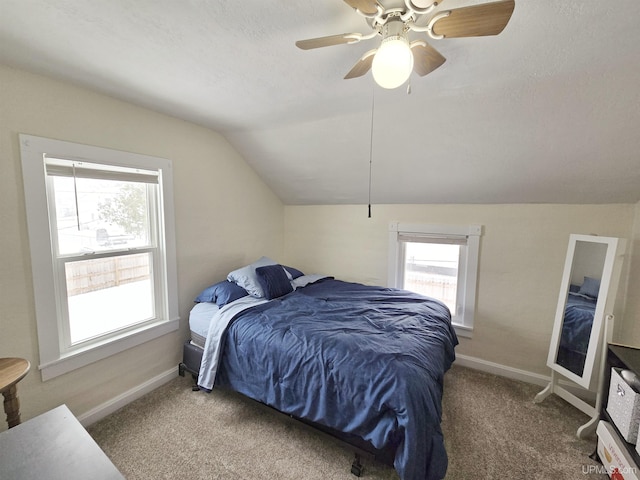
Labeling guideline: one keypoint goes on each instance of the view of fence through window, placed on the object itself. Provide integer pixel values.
(107, 294)
(102, 215)
(431, 269)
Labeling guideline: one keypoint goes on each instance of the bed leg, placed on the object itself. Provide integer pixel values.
(356, 466)
(182, 368)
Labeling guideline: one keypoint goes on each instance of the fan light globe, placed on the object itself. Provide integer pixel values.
(393, 62)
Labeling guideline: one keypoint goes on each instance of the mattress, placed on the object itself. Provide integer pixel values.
(199, 320)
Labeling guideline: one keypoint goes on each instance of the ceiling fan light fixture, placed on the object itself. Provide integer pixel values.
(393, 62)
(393, 20)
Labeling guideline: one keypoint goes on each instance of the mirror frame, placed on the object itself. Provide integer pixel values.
(604, 307)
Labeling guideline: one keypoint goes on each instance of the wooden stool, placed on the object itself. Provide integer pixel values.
(12, 370)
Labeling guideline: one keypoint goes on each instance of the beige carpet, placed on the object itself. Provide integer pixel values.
(492, 429)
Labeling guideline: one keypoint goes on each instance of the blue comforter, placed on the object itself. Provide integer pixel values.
(577, 323)
(360, 359)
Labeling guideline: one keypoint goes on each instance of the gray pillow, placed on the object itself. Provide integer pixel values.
(247, 278)
(590, 287)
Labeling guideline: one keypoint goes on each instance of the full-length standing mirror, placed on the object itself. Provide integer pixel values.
(587, 295)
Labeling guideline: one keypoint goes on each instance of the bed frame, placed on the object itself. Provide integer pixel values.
(191, 359)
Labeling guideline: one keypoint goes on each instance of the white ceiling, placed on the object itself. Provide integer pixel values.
(546, 112)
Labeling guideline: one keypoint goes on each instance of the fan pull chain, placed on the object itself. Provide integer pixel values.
(373, 103)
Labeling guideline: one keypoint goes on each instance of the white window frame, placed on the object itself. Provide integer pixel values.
(56, 356)
(462, 318)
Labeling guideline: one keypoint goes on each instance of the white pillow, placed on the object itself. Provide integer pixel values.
(305, 280)
(247, 278)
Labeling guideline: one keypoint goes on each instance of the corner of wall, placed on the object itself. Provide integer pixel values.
(628, 331)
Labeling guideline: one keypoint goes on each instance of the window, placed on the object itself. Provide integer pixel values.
(102, 247)
(439, 261)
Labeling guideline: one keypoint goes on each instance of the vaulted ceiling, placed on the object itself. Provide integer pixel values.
(546, 112)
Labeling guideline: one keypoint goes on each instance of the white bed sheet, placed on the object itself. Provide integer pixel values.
(217, 327)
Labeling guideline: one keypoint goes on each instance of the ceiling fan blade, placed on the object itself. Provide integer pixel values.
(362, 66)
(328, 41)
(425, 58)
(368, 7)
(476, 20)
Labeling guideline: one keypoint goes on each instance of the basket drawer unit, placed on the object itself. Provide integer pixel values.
(624, 406)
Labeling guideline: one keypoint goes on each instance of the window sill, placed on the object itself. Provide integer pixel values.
(78, 359)
(462, 331)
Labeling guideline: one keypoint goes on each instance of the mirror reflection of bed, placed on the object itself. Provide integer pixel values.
(580, 307)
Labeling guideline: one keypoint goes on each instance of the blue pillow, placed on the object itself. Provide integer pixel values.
(221, 293)
(294, 272)
(274, 281)
(590, 287)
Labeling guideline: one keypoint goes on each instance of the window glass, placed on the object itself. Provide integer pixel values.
(96, 214)
(106, 216)
(431, 269)
(438, 261)
(108, 294)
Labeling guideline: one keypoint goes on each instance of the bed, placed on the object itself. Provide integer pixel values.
(363, 363)
(577, 323)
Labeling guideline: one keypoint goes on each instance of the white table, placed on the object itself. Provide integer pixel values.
(54, 446)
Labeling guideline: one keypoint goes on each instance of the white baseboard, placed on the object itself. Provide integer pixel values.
(502, 370)
(110, 406)
(518, 374)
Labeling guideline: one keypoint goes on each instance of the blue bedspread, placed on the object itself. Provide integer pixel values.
(577, 323)
(360, 359)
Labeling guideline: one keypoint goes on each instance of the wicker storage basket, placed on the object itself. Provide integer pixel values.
(624, 406)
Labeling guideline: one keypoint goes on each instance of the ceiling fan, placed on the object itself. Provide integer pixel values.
(396, 57)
